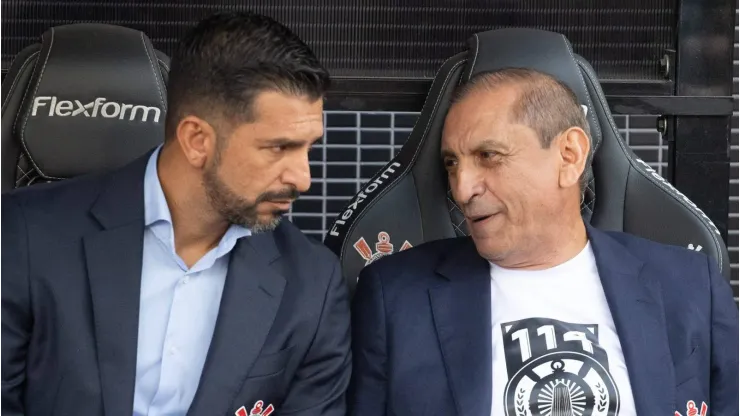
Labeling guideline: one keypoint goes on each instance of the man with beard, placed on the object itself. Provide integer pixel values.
(170, 286)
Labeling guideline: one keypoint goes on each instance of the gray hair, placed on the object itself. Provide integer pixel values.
(545, 104)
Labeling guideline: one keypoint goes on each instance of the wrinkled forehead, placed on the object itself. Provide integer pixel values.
(480, 115)
(486, 113)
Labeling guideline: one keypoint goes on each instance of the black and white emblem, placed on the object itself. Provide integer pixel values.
(557, 369)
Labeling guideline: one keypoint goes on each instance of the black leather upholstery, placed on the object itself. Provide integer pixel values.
(408, 201)
(90, 97)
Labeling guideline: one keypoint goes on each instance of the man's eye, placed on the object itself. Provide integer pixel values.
(279, 148)
(488, 155)
(450, 163)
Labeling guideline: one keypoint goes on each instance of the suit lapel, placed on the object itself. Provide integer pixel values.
(636, 306)
(113, 257)
(251, 298)
(461, 306)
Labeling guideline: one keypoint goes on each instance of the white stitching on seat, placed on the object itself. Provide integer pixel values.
(156, 77)
(601, 99)
(38, 84)
(161, 62)
(15, 80)
(588, 96)
(453, 209)
(664, 186)
(22, 171)
(475, 56)
(25, 174)
(401, 175)
(416, 152)
(28, 113)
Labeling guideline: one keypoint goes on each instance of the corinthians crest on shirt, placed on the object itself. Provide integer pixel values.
(382, 248)
(556, 368)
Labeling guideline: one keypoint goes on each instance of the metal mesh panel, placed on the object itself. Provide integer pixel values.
(622, 39)
(732, 225)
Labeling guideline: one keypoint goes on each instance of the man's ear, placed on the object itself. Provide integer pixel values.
(197, 140)
(575, 146)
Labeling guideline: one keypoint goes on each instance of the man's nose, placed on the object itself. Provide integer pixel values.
(298, 173)
(466, 184)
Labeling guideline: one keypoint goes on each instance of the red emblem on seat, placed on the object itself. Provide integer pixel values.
(382, 248)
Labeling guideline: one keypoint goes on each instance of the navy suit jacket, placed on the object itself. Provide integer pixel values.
(71, 275)
(422, 329)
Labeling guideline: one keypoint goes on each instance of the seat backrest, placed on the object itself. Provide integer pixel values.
(408, 201)
(89, 97)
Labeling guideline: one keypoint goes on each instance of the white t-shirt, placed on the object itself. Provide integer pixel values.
(555, 347)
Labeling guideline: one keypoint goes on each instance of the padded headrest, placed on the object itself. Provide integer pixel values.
(547, 52)
(414, 186)
(96, 100)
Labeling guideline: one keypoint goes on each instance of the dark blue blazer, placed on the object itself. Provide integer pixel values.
(421, 329)
(71, 274)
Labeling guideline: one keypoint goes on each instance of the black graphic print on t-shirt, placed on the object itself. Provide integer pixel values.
(556, 368)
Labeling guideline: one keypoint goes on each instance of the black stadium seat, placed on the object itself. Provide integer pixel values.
(408, 202)
(90, 97)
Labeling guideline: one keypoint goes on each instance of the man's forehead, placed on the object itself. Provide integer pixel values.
(500, 97)
(473, 120)
(481, 108)
(277, 115)
(475, 137)
(278, 108)
(500, 137)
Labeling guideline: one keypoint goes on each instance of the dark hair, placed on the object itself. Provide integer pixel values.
(545, 104)
(224, 62)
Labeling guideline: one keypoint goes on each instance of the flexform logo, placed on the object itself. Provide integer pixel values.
(100, 107)
(361, 197)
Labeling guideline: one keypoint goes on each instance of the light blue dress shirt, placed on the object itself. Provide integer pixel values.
(177, 311)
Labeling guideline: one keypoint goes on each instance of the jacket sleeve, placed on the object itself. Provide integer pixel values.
(368, 388)
(723, 396)
(16, 307)
(320, 384)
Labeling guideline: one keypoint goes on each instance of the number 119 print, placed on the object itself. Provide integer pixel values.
(557, 368)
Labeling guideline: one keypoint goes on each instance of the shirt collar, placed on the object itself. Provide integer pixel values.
(155, 204)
